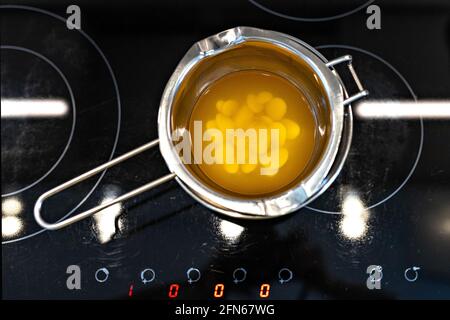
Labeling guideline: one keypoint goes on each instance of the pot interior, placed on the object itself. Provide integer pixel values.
(263, 56)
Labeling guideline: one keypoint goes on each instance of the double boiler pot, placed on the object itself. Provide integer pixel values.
(238, 49)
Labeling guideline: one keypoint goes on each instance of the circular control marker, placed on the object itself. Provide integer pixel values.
(102, 275)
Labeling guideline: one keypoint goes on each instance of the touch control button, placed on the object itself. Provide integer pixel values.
(101, 275)
(285, 275)
(147, 275)
(239, 275)
(411, 274)
(193, 275)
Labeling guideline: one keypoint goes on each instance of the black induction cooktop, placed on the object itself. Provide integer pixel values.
(382, 230)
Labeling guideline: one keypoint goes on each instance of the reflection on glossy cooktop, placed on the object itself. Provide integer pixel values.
(73, 99)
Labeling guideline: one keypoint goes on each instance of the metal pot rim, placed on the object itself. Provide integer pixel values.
(275, 205)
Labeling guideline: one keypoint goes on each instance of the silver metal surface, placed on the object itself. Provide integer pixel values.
(76, 180)
(324, 173)
(362, 92)
(287, 201)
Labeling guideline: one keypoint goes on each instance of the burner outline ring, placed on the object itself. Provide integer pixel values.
(419, 152)
(74, 117)
(119, 117)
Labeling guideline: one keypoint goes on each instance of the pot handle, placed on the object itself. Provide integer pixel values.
(362, 92)
(90, 173)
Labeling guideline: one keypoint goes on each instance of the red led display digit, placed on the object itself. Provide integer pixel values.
(130, 291)
(218, 290)
(264, 292)
(173, 290)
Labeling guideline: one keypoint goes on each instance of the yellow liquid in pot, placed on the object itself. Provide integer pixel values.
(256, 99)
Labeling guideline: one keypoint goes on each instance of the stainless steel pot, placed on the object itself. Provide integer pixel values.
(208, 60)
